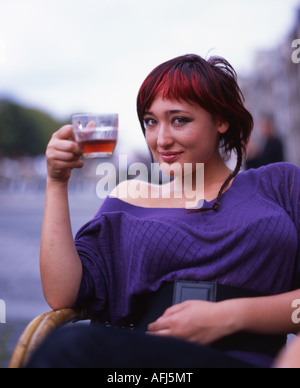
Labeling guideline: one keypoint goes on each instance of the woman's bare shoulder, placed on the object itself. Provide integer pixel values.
(136, 192)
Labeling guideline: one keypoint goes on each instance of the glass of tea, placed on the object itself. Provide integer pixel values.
(97, 134)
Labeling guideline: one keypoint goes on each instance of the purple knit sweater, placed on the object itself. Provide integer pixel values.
(252, 242)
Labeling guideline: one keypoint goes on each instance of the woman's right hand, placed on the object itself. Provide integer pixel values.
(63, 154)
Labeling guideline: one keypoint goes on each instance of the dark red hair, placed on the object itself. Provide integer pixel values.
(211, 84)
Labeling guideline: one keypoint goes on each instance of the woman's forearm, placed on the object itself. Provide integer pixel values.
(266, 315)
(61, 268)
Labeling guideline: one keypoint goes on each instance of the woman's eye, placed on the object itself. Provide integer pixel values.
(176, 121)
(180, 121)
(150, 122)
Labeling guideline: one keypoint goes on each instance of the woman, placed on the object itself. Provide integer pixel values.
(246, 234)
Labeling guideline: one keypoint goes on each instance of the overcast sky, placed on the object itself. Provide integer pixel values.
(67, 56)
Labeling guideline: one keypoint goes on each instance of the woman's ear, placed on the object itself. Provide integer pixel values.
(223, 127)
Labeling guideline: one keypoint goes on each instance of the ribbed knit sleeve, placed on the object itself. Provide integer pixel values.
(92, 295)
(281, 182)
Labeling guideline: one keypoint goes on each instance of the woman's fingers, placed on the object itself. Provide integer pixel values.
(66, 146)
(65, 133)
(63, 154)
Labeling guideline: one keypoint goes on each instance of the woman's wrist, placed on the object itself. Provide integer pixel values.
(57, 191)
(63, 184)
(235, 312)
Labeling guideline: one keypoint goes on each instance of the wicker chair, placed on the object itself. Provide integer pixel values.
(38, 330)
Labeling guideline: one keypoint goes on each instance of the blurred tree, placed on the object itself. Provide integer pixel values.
(24, 131)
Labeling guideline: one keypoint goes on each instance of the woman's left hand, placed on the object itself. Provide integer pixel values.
(195, 321)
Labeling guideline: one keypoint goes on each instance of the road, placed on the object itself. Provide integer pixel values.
(20, 287)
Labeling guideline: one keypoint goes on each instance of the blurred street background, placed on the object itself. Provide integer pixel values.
(62, 57)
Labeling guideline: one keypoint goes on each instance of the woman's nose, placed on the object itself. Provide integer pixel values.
(164, 138)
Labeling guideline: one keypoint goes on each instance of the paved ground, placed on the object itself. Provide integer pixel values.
(20, 227)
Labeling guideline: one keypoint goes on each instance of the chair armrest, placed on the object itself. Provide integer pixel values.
(37, 331)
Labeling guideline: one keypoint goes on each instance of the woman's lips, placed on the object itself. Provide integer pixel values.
(170, 157)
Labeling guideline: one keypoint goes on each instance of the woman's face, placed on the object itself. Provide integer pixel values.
(181, 132)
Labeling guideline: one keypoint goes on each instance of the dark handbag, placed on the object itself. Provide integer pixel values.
(151, 307)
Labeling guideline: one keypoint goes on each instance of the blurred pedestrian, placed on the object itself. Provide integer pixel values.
(272, 150)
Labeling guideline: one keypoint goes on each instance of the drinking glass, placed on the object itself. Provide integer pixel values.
(97, 134)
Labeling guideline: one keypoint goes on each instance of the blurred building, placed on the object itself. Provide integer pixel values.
(274, 88)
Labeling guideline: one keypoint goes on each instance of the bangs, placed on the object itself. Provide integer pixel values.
(183, 85)
(188, 81)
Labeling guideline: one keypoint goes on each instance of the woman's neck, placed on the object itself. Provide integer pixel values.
(208, 177)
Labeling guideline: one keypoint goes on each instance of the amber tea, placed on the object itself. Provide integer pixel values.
(96, 134)
(102, 147)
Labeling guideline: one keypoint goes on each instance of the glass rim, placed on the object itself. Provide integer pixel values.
(113, 115)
